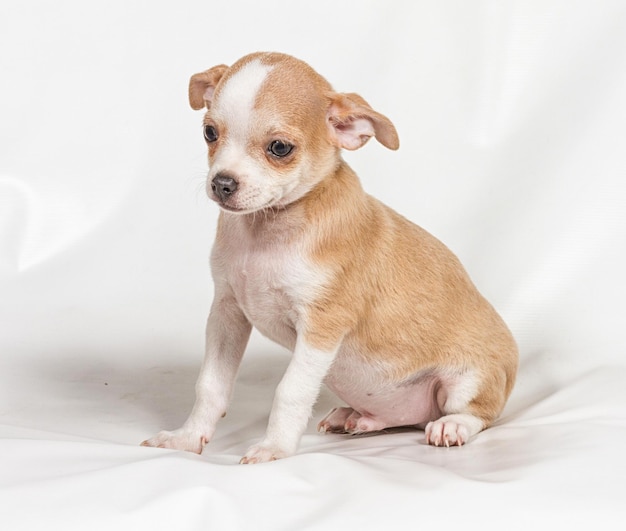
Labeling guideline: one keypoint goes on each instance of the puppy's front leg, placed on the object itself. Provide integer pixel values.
(227, 334)
(293, 402)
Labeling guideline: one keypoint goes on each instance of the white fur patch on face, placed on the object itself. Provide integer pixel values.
(237, 97)
(248, 126)
(234, 107)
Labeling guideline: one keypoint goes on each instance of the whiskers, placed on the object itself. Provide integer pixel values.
(198, 184)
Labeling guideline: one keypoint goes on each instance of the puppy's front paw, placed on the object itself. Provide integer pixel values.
(263, 453)
(178, 440)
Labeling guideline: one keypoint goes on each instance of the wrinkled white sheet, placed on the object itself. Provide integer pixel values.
(512, 124)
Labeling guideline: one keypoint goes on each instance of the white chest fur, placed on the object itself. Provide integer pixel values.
(271, 280)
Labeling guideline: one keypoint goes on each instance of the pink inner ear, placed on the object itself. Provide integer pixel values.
(354, 133)
(208, 94)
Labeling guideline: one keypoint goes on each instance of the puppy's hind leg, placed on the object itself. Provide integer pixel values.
(469, 405)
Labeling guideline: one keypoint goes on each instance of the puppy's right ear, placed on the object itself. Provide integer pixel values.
(202, 86)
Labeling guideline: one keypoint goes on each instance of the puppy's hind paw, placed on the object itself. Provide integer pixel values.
(335, 420)
(452, 430)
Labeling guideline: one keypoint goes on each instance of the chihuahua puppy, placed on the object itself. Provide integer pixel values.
(369, 303)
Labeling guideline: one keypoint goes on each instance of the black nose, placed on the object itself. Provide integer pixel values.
(223, 186)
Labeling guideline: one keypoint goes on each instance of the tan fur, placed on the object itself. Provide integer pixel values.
(346, 107)
(396, 289)
(370, 303)
(199, 83)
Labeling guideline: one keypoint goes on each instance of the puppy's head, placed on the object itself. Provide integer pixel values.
(274, 128)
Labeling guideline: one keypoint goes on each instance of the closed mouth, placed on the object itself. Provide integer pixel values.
(243, 210)
(229, 208)
(236, 210)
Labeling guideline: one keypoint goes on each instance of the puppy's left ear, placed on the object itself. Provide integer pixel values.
(353, 122)
(202, 86)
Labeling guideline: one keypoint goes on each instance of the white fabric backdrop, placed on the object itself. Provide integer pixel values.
(511, 116)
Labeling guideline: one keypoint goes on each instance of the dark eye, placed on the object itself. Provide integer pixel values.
(210, 133)
(280, 149)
